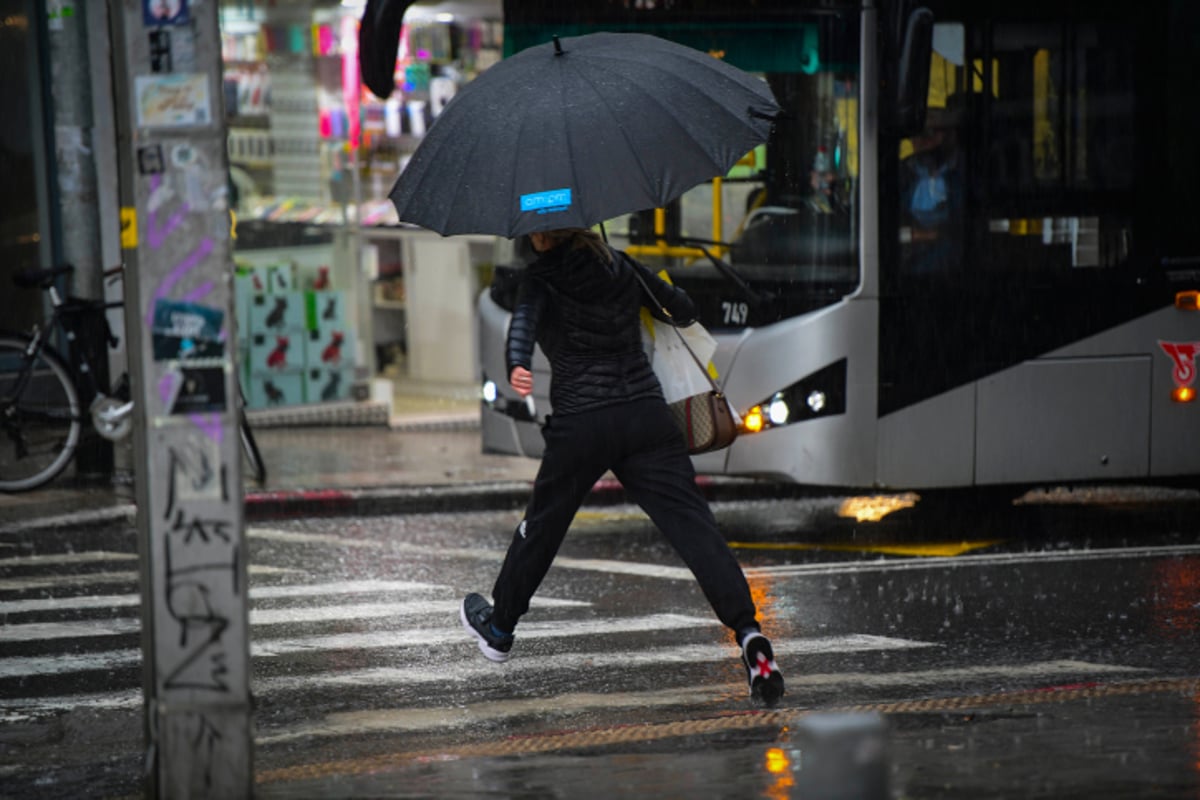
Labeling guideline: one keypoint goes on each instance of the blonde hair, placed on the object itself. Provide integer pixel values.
(580, 238)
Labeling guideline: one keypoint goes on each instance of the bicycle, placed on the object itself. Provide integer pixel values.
(42, 393)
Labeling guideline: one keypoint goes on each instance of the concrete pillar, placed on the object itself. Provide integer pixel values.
(180, 334)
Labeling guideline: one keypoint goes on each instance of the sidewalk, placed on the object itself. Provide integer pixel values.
(422, 454)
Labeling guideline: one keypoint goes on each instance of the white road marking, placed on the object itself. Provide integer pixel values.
(626, 568)
(91, 578)
(256, 593)
(83, 629)
(74, 519)
(971, 560)
(442, 636)
(23, 666)
(476, 668)
(66, 558)
(296, 537)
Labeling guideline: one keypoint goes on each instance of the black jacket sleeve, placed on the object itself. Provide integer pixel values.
(680, 307)
(522, 329)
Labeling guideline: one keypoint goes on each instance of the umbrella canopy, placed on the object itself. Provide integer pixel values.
(572, 133)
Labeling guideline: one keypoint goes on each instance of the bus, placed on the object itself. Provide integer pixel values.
(967, 256)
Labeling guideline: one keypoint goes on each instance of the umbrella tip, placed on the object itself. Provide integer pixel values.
(558, 51)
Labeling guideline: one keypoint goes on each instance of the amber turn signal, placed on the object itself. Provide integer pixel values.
(1188, 301)
(753, 421)
(1183, 394)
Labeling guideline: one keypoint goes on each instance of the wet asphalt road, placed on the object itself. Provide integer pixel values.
(1047, 649)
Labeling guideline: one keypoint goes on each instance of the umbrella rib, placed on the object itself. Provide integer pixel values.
(744, 120)
(567, 136)
(624, 133)
(462, 186)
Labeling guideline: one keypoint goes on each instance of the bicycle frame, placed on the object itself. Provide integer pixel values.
(108, 415)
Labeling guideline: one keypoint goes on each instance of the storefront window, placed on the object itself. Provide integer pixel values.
(24, 213)
(313, 155)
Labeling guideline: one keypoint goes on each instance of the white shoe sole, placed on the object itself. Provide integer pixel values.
(490, 653)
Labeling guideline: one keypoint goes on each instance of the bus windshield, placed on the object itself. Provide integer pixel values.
(781, 236)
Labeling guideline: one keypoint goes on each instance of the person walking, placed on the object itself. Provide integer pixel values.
(581, 301)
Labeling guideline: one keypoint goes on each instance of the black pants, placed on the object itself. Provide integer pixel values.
(639, 442)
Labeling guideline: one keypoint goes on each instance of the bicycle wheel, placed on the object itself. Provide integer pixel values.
(40, 417)
(258, 469)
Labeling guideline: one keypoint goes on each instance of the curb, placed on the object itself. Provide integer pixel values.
(499, 496)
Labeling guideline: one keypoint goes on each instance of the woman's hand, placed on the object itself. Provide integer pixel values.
(521, 381)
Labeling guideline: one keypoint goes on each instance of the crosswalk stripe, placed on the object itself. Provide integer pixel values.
(83, 629)
(256, 593)
(476, 669)
(296, 537)
(626, 568)
(971, 560)
(26, 666)
(92, 578)
(85, 557)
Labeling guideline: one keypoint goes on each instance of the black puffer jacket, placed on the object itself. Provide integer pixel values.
(585, 313)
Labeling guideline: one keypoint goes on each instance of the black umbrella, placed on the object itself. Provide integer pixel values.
(572, 133)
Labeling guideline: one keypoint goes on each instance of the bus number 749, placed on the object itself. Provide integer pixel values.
(735, 313)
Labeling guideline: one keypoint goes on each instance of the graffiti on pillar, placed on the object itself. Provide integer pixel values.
(202, 555)
(203, 735)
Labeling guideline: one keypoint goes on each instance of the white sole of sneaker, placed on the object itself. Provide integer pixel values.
(768, 688)
(490, 653)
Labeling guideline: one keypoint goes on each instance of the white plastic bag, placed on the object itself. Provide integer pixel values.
(677, 371)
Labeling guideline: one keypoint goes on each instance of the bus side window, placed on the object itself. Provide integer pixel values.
(1059, 145)
(932, 175)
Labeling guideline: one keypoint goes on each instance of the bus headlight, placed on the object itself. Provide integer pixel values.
(819, 394)
(777, 411)
(490, 392)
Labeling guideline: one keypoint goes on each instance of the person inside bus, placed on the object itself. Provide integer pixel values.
(581, 301)
(824, 197)
(931, 190)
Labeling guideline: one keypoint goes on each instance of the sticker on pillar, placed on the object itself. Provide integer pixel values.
(150, 159)
(547, 202)
(160, 51)
(193, 467)
(184, 331)
(165, 12)
(178, 100)
(198, 390)
(129, 231)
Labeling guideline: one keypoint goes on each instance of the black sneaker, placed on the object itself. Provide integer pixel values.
(476, 616)
(764, 677)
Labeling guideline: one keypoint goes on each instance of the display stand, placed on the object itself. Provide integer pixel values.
(441, 281)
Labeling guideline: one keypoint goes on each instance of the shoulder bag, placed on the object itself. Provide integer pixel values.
(705, 419)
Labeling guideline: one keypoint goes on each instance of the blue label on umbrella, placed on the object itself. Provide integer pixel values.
(547, 202)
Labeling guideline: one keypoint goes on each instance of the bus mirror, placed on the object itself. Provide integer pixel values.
(912, 74)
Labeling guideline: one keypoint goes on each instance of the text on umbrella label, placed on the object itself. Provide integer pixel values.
(546, 202)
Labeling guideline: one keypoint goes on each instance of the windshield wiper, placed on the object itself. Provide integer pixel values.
(726, 269)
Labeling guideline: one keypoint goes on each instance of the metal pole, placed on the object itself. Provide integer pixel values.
(187, 464)
(78, 199)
